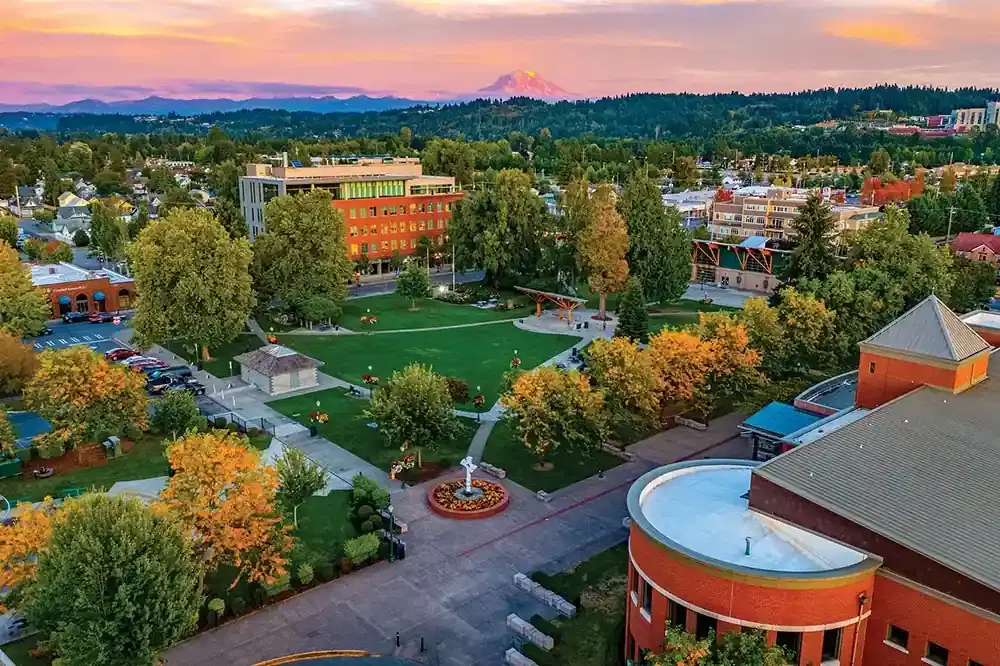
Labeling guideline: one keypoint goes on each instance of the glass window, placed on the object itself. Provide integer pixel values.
(393, 245)
(647, 597)
(421, 207)
(421, 225)
(373, 212)
(430, 224)
(385, 211)
(634, 582)
(392, 227)
(791, 641)
(373, 230)
(831, 644)
(413, 226)
(441, 224)
(705, 625)
(676, 614)
(936, 654)
(392, 210)
(364, 212)
(354, 231)
(385, 228)
(385, 245)
(440, 207)
(354, 248)
(354, 213)
(898, 637)
(413, 208)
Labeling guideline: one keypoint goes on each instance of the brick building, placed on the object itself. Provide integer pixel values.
(74, 289)
(387, 202)
(873, 540)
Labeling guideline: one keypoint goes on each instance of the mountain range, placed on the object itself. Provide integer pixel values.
(519, 83)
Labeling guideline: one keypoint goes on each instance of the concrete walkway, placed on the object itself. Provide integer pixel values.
(344, 331)
(478, 444)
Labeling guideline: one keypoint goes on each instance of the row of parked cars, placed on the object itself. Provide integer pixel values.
(161, 377)
(93, 317)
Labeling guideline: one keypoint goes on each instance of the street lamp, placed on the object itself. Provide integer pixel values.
(479, 404)
(371, 386)
(392, 536)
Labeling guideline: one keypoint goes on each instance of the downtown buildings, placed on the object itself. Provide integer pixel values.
(387, 202)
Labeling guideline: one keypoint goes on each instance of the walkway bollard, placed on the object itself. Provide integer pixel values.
(421, 644)
(397, 639)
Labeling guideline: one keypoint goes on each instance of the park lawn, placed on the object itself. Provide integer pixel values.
(504, 451)
(348, 428)
(221, 355)
(594, 637)
(687, 305)
(18, 652)
(323, 523)
(145, 460)
(479, 355)
(675, 321)
(392, 313)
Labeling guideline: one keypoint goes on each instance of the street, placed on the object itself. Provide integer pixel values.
(98, 337)
(387, 283)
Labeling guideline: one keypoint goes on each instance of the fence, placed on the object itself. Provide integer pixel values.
(242, 425)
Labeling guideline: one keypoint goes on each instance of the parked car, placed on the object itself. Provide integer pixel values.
(179, 371)
(103, 317)
(74, 317)
(147, 363)
(131, 360)
(45, 331)
(159, 385)
(194, 388)
(120, 354)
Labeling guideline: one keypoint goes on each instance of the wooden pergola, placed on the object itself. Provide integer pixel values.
(566, 304)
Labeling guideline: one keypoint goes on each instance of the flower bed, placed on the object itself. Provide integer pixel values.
(442, 500)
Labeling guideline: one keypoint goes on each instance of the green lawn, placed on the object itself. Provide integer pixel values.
(393, 313)
(18, 652)
(221, 356)
(594, 636)
(323, 524)
(479, 356)
(676, 320)
(686, 305)
(145, 460)
(568, 467)
(348, 428)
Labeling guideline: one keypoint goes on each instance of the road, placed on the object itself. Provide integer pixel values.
(387, 285)
(98, 337)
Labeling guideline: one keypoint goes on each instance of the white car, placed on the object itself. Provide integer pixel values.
(132, 360)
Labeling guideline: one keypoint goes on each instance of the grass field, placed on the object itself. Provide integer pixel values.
(349, 429)
(675, 320)
(393, 313)
(221, 356)
(568, 467)
(323, 524)
(18, 652)
(479, 356)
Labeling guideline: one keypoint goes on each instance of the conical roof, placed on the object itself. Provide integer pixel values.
(930, 329)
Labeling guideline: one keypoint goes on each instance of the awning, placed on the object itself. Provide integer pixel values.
(98, 295)
(64, 300)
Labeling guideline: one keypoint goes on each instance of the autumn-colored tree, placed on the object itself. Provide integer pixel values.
(84, 396)
(602, 245)
(682, 361)
(7, 435)
(549, 408)
(23, 307)
(631, 384)
(796, 335)
(734, 363)
(949, 179)
(17, 363)
(21, 541)
(221, 492)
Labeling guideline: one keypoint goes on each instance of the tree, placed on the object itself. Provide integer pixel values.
(974, 286)
(633, 317)
(24, 308)
(948, 181)
(731, 649)
(880, 162)
(108, 231)
(8, 230)
(17, 363)
(298, 480)
(302, 253)
(140, 221)
(7, 435)
(413, 283)
(992, 199)
(682, 362)
(970, 211)
(109, 182)
(117, 584)
(450, 158)
(577, 210)
(229, 216)
(221, 493)
(319, 308)
(175, 197)
(160, 179)
(630, 382)
(21, 543)
(84, 396)
(659, 250)
(80, 238)
(396, 260)
(814, 228)
(194, 280)
(55, 251)
(414, 409)
(502, 229)
(734, 370)
(44, 216)
(549, 409)
(603, 244)
(175, 413)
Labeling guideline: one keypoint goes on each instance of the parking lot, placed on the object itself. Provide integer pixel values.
(99, 337)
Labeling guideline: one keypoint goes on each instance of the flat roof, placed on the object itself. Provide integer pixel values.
(779, 419)
(43, 275)
(701, 509)
(982, 319)
(836, 393)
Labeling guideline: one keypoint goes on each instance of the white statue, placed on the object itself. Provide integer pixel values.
(470, 467)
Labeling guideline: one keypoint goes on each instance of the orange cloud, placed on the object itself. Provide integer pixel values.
(876, 32)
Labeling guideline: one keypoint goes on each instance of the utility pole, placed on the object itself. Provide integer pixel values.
(951, 216)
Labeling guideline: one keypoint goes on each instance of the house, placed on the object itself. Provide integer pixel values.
(72, 207)
(85, 190)
(183, 180)
(275, 369)
(977, 247)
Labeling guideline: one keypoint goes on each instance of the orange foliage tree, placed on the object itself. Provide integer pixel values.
(83, 396)
(602, 245)
(734, 370)
(875, 192)
(17, 363)
(20, 543)
(631, 384)
(223, 494)
(682, 361)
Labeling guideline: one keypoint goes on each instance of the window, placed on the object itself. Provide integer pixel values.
(647, 597)
(440, 207)
(791, 641)
(898, 637)
(633, 584)
(831, 644)
(392, 227)
(373, 230)
(364, 212)
(421, 207)
(373, 247)
(704, 625)
(421, 225)
(676, 614)
(936, 654)
(413, 226)
(447, 206)
(871, 368)
(385, 228)
(430, 224)
(441, 224)
(354, 248)
(372, 212)
(354, 213)
(413, 208)
(974, 663)
(354, 231)
(392, 210)
(385, 211)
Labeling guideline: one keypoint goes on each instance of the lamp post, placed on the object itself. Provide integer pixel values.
(371, 387)
(479, 404)
(392, 536)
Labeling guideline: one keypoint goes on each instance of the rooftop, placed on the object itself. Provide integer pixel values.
(930, 329)
(47, 275)
(272, 360)
(833, 394)
(982, 319)
(780, 419)
(701, 510)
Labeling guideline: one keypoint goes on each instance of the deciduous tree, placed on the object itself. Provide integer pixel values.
(175, 413)
(220, 491)
(84, 396)
(731, 649)
(682, 361)
(21, 542)
(549, 409)
(602, 245)
(8, 229)
(734, 371)
(413, 283)
(414, 409)
(17, 363)
(632, 386)
(108, 231)
(880, 162)
(116, 584)
(974, 286)
(298, 479)
(194, 281)
(7, 435)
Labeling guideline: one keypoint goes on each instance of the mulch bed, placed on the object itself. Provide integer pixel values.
(87, 455)
(429, 470)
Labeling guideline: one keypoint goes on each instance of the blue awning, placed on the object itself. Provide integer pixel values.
(780, 419)
(99, 296)
(64, 300)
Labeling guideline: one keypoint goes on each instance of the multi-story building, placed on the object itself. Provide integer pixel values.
(964, 120)
(769, 211)
(872, 539)
(388, 204)
(695, 206)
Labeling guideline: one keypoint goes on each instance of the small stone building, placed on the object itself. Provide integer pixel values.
(275, 369)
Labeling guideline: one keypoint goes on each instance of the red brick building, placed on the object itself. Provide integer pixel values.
(873, 542)
(74, 289)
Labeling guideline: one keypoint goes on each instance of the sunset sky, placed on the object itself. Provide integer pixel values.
(61, 50)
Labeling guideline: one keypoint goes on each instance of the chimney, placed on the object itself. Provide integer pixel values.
(284, 159)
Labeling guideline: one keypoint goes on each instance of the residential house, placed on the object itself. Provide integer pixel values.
(72, 207)
(978, 247)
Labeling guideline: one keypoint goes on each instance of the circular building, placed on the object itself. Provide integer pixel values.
(336, 658)
(701, 558)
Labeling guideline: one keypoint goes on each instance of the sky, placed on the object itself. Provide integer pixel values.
(61, 50)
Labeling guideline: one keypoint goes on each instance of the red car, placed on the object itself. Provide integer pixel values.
(120, 354)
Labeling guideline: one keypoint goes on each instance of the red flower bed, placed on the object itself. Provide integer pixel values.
(443, 501)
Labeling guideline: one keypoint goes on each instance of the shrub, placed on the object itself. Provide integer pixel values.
(220, 422)
(275, 588)
(80, 238)
(359, 549)
(258, 595)
(237, 605)
(375, 520)
(365, 512)
(367, 527)
(304, 574)
(325, 570)
(202, 424)
(233, 428)
(50, 448)
(458, 390)
(366, 491)
(217, 606)
(254, 432)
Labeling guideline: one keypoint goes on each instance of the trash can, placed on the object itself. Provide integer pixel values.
(313, 431)
(400, 549)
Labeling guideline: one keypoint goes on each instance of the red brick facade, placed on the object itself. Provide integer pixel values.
(96, 295)
(395, 224)
(883, 377)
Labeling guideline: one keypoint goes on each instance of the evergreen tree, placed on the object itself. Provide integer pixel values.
(970, 211)
(813, 256)
(993, 201)
(633, 318)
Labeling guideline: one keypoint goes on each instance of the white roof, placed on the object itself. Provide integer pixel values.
(703, 509)
(982, 319)
(43, 275)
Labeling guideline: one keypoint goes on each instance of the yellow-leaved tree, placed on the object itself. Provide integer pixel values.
(227, 499)
(734, 370)
(632, 386)
(682, 361)
(602, 245)
(21, 541)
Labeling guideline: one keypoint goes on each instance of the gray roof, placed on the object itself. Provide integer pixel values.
(922, 470)
(274, 360)
(930, 329)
